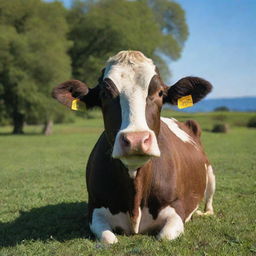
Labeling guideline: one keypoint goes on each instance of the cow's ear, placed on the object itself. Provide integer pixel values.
(70, 90)
(197, 87)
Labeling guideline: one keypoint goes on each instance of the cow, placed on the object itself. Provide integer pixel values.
(146, 173)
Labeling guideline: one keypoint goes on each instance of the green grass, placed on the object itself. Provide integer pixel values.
(43, 196)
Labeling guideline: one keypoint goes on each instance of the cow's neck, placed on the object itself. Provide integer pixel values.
(141, 183)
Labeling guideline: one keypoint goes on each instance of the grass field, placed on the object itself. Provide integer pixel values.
(43, 196)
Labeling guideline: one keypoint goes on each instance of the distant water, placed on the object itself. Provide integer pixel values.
(243, 104)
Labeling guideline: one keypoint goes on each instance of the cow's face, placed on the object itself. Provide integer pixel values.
(131, 93)
(131, 97)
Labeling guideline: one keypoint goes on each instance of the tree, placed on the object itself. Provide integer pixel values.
(101, 28)
(221, 108)
(33, 54)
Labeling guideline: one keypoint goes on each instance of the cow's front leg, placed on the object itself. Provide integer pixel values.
(101, 226)
(173, 226)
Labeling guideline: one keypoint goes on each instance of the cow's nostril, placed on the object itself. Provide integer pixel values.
(147, 139)
(146, 142)
(125, 140)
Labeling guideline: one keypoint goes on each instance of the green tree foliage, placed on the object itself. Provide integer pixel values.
(101, 28)
(33, 58)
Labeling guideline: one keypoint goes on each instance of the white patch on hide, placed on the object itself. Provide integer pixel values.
(190, 215)
(173, 126)
(103, 222)
(168, 221)
(210, 190)
(132, 173)
(136, 225)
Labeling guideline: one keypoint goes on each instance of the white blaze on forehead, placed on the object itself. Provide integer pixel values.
(131, 72)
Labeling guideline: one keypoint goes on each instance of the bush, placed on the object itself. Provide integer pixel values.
(252, 122)
(222, 128)
(221, 108)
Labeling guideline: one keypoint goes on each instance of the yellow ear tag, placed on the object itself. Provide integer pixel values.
(185, 102)
(78, 105)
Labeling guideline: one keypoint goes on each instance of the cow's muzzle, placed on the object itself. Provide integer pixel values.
(135, 143)
(135, 147)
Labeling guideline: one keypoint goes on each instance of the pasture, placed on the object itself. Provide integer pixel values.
(43, 195)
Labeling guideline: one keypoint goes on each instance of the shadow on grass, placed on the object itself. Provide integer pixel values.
(22, 134)
(59, 222)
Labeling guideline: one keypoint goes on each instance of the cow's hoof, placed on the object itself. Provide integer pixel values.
(108, 238)
(171, 235)
(207, 213)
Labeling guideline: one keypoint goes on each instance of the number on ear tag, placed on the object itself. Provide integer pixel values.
(185, 102)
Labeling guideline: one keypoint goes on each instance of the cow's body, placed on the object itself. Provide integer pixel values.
(145, 173)
(173, 183)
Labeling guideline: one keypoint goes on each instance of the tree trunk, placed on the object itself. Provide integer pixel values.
(18, 123)
(47, 130)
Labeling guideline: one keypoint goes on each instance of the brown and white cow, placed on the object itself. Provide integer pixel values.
(146, 173)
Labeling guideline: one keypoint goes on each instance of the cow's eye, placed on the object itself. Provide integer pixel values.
(161, 93)
(105, 93)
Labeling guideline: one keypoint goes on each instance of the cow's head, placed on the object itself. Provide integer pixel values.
(131, 93)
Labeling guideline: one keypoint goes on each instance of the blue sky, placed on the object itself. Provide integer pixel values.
(221, 46)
